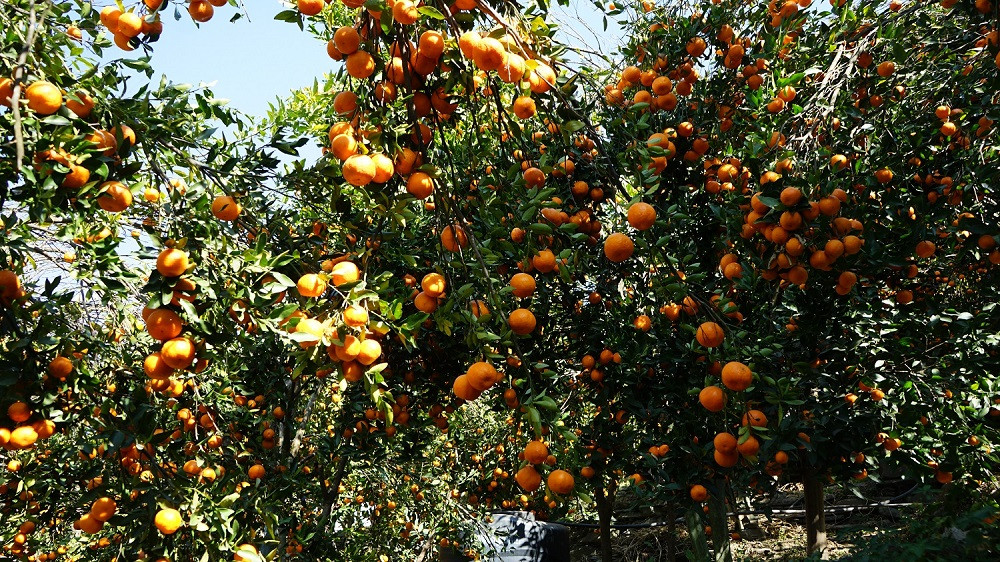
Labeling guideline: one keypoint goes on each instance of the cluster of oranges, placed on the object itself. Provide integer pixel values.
(126, 27)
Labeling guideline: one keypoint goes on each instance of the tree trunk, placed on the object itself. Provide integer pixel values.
(671, 554)
(605, 507)
(717, 515)
(815, 515)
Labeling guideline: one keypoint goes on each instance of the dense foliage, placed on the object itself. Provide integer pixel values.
(761, 246)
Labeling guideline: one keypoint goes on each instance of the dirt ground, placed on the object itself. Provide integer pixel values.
(761, 538)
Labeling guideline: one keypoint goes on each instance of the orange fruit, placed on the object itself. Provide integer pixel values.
(43, 97)
(178, 353)
(172, 262)
(310, 7)
(370, 351)
(359, 170)
(168, 521)
(712, 398)
(115, 197)
(88, 524)
(256, 472)
(425, 302)
(481, 376)
(750, 447)
(156, 368)
(420, 185)
(756, 418)
(725, 443)
(347, 40)
(226, 208)
(433, 284)
(464, 390)
(523, 285)
(346, 352)
(618, 247)
(736, 376)
(710, 335)
(60, 367)
(544, 261)
(453, 237)
(521, 321)
(355, 316)
(524, 107)
(200, 11)
(641, 216)
(6, 91)
(19, 412)
(561, 482)
(22, 437)
(103, 508)
(163, 324)
(528, 479)
(344, 272)
(699, 493)
(311, 285)
(360, 65)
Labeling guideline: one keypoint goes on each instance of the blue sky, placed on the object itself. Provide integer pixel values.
(254, 61)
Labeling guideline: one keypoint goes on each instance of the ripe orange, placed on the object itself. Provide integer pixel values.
(482, 375)
(524, 107)
(425, 302)
(256, 472)
(359, 170)
(22, 437)
(60, 367)
(726, 460)
(420, 185)
(618, 247)
(523, 285)
(544, 261)
(756, 418)
(168, 521)
(226, 208)
(311, 285)
(172, 262)
(710, 335)
(521, 321)
(355, 316)
(156, 368)
(19, 412)
(346, 352)
(360, 65)
(347, 40)
(200, 10)
(536, 452)
(178, 353)
(103, 508)
(464, 390)
(115, 197)
(725, 443)
(370, 351)
(43, 97)
(528, 479)
(925, 249)
(163, 324)
(641, 216)
(699, 493)
(750, 447)
(344, 272)
(454, 237)
(561, 482)
(310, 7)
(736, 376)
(712, 398)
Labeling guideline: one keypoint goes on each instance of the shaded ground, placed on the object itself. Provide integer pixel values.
(762, 538)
